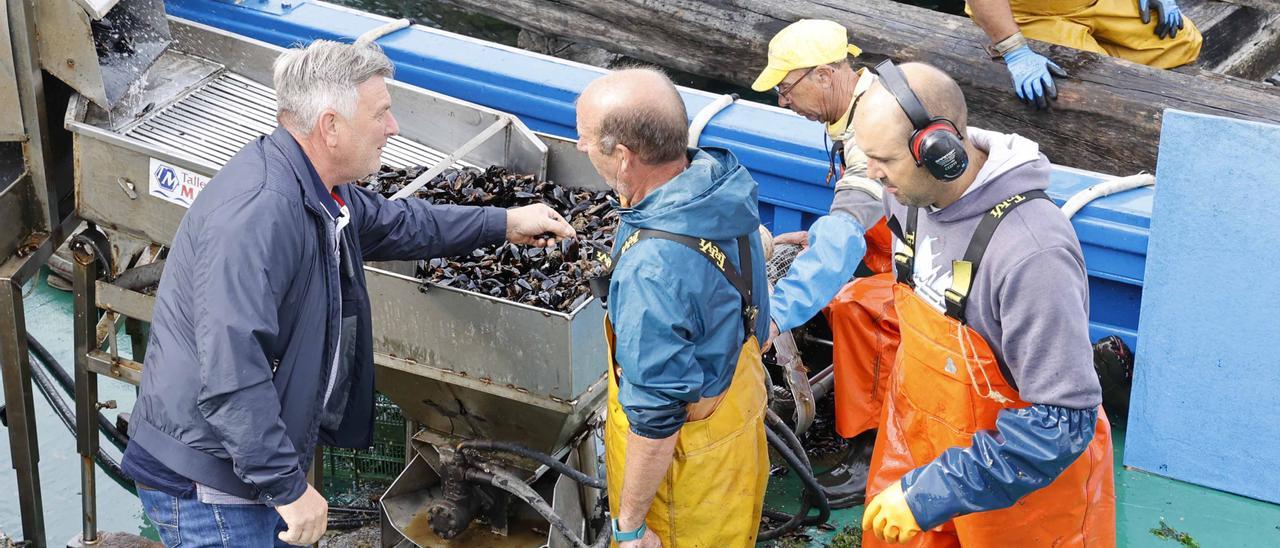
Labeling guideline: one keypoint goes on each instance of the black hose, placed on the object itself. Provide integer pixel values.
(790, 521)
(780, 427)
(42, 355)
(793, 521)
(814, 494)
(348, 523)
(820, 497)
(801, 517)
(517, 449)
(140, 277)
(812, 487)
(522, 491)
(353, 510)
(92, 238)
(107, 462)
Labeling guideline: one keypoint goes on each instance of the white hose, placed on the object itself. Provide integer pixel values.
(383, 30)
(766, 241)
(705, 115)
(1105, 188)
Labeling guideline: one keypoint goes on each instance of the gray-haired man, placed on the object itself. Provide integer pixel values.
(261, 343)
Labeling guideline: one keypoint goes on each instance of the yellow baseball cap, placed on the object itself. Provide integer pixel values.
(803, 44)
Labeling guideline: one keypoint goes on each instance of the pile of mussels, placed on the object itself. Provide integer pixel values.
(554, 278)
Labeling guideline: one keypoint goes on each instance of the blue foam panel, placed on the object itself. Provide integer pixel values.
(1206, 390)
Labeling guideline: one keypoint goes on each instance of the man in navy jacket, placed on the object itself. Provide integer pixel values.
(261, 342)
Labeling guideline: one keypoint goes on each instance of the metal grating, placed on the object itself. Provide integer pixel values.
(215, 121)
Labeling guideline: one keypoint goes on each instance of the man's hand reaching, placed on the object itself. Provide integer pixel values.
(537, 225)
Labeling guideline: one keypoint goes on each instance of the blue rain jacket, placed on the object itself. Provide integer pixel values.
(835, 249)
(676, 317)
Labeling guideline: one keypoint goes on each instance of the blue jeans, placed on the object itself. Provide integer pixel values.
(187, 522)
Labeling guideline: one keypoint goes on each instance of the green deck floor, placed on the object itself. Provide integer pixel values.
(1211, 518)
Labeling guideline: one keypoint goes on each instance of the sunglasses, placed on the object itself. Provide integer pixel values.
(782, 92)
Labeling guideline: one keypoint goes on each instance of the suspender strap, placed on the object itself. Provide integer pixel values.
(964, 271)
(741, 281)
(905, 260)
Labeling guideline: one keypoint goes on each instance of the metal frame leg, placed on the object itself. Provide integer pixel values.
(15, 365)
(86, 323)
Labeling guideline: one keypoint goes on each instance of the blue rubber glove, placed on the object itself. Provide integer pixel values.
(1168, 16)
(1033, 76)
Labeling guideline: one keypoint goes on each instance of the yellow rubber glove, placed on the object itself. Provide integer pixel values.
(889, 517)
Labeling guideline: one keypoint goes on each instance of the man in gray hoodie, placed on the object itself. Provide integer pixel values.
(992, 432)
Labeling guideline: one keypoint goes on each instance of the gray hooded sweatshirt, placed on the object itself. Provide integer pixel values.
(1030, 299)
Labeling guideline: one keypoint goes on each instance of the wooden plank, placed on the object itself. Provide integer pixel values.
(1206, 14)
(1238, 40)
(1272, 6)
(1107, 117)
(1258, 53)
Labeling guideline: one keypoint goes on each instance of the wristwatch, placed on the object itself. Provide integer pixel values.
(627, 536)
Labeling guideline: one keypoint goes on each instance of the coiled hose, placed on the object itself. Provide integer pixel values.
(785, 442)
(515, 486)
(780, 437)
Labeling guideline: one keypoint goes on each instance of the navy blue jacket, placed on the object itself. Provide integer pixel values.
(250, 310)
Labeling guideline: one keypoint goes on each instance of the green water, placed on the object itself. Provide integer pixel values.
(49, 316)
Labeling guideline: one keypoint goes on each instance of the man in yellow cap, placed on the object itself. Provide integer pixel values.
(1119, 28)
(809, 69)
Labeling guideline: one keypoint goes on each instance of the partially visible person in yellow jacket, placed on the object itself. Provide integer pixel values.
(1119, 28)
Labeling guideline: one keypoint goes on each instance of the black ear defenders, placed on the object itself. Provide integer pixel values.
(936, 143)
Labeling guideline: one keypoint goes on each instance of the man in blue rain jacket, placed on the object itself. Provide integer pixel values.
(684, 440)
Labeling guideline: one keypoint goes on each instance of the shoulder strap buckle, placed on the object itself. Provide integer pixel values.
(964, 271)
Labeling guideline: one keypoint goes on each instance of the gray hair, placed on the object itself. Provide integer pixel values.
(655, 127)
(322, 76)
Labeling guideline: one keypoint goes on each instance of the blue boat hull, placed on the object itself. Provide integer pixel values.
(784, 152)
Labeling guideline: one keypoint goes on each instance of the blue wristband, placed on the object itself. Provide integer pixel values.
(627, 536)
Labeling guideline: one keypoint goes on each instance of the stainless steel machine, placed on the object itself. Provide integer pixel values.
(461, 365)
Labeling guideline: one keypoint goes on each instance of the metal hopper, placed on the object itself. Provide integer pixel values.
(460, 364)
(101, 47)
(467, 366)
